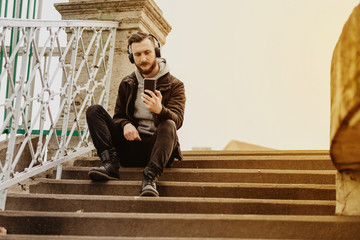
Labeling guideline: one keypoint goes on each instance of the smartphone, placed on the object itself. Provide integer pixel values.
(150, 84)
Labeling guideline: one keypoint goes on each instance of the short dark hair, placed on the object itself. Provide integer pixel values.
(138, 37)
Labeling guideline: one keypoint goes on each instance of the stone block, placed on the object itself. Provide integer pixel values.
(348, 193)
(25, 158)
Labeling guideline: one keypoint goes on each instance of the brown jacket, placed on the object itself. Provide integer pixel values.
(173, 101)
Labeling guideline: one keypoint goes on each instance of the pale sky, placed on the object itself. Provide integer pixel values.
(256, 71)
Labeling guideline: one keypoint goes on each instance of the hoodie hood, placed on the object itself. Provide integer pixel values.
(164, 69)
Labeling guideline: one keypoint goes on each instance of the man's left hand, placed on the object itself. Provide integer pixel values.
(153, 103)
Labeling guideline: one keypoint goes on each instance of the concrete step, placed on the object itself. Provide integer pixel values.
(209, 195)
(181, 225)
(98, 203)
(222, 153)
(189, 189)
(72, 237)
(219, 175)
(290, 162)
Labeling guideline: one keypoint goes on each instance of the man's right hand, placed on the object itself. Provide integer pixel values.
(131, 133)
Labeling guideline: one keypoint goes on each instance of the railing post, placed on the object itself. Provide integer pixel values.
(68, 100)
(19, 89)
(108, 82)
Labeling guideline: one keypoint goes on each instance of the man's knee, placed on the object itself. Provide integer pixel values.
(93, 109)
(168, 125)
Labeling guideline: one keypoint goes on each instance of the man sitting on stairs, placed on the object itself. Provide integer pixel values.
(142, 132)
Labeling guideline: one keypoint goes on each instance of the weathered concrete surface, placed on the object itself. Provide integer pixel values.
(345, 116)
(219, 175)
(189, 189)
(72, 237)
(182, 225)
(284, 160)
(205, 209)
(98, 203)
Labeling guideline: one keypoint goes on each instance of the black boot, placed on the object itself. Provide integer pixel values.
(109, 169)
(148, 186)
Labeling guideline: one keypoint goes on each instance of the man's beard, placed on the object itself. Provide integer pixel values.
(149, 70)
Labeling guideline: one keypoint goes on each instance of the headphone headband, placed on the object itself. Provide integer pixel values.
(156, 40)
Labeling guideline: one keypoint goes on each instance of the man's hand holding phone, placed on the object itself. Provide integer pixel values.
(151, 97)
(153, 103)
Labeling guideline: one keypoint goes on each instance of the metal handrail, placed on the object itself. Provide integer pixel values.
(49, 93)
(56, 23)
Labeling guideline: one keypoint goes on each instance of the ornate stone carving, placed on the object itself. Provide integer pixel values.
(142, 15)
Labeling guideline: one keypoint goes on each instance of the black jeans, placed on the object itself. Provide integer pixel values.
(153, 152)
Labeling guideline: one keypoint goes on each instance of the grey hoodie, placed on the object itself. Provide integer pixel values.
(144, 116)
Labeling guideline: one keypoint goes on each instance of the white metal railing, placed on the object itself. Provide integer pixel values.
(50, 71)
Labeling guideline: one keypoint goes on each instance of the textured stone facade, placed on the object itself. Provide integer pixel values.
(345, 116)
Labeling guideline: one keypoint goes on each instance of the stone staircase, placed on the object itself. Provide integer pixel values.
(214, 194)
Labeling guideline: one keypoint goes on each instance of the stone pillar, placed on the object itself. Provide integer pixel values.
(345, 116)
(132, 15)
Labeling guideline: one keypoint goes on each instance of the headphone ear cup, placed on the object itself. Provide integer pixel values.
(157, 52)
(130, 55)
(131, 58)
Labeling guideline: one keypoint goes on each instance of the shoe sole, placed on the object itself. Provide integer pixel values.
(149, 194)
(98, 176)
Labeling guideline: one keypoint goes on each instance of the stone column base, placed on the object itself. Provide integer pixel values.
(348, 193)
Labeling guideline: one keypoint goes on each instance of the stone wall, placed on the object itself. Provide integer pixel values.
(345, 116)
(25, 158)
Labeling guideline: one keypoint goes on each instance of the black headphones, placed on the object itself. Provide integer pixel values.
(157, 49)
